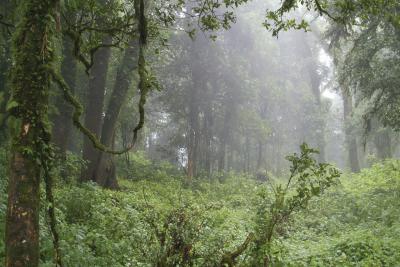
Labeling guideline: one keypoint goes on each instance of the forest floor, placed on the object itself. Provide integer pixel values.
(355, 223)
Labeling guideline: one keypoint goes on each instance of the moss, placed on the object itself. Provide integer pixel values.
(28, 107)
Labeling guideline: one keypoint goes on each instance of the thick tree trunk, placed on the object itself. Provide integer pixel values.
(351, 140)
(62, 129)
(94, 108)
(118, 96)
(30, 92)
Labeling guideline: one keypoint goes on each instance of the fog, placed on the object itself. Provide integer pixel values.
(243, 101)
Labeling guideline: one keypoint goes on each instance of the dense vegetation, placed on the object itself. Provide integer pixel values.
(199, 133)
(355, 223)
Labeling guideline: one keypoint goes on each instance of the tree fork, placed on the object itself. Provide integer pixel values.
(144, 88)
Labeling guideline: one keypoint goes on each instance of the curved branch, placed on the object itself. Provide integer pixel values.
(78, 111)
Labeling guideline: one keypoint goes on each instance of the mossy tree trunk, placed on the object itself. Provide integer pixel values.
(30, 134)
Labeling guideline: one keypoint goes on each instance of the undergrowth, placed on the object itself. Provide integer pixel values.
(157, 221)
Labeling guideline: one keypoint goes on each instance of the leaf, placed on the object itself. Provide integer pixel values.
(11, 105)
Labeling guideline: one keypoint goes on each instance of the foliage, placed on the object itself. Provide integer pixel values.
(3, 199)
(307, 180)
(69, 168)
(136, 166)
(352, 224)
(356, 224)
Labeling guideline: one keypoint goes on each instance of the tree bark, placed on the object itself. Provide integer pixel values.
(351, 140)
(30, 84)
(103, 176)
(94, 110)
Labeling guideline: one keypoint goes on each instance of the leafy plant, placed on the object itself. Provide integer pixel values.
(307, 179)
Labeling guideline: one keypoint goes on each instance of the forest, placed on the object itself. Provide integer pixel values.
(199, 133)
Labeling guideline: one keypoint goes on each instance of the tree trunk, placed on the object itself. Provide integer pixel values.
(208, 126)
(311, 69)
(62, 129)
(30, 84)
(94, 108)
(382, 143)
(193, 136)
(351, 140)
(260, 157)
(320, 127)
(118, 96)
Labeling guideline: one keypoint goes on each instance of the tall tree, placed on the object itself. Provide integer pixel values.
(30, 83)
(104, 173)
(94, 107)
(351, 140)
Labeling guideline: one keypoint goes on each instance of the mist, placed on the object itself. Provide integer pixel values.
(199, 133)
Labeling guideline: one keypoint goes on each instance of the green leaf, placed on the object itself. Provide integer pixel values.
(11, 104)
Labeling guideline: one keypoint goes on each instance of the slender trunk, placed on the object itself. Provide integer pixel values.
(320, 127)
(351, 140)
(208, 125)
(230, 105)
(62, 129)
(118, 96)
(260, 157)
(193, 137)
(247, 159)
(222, 155)
(94, 108)
(224, 137)
(305, 51)
(383, 145)
(30, 84)
(193, 120)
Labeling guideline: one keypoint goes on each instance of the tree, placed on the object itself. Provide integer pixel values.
(351, 140)
(30, 83)
(104, 173)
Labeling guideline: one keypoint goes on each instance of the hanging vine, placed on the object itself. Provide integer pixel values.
(145, 84)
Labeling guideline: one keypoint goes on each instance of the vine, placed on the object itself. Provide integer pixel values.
(144, 87)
